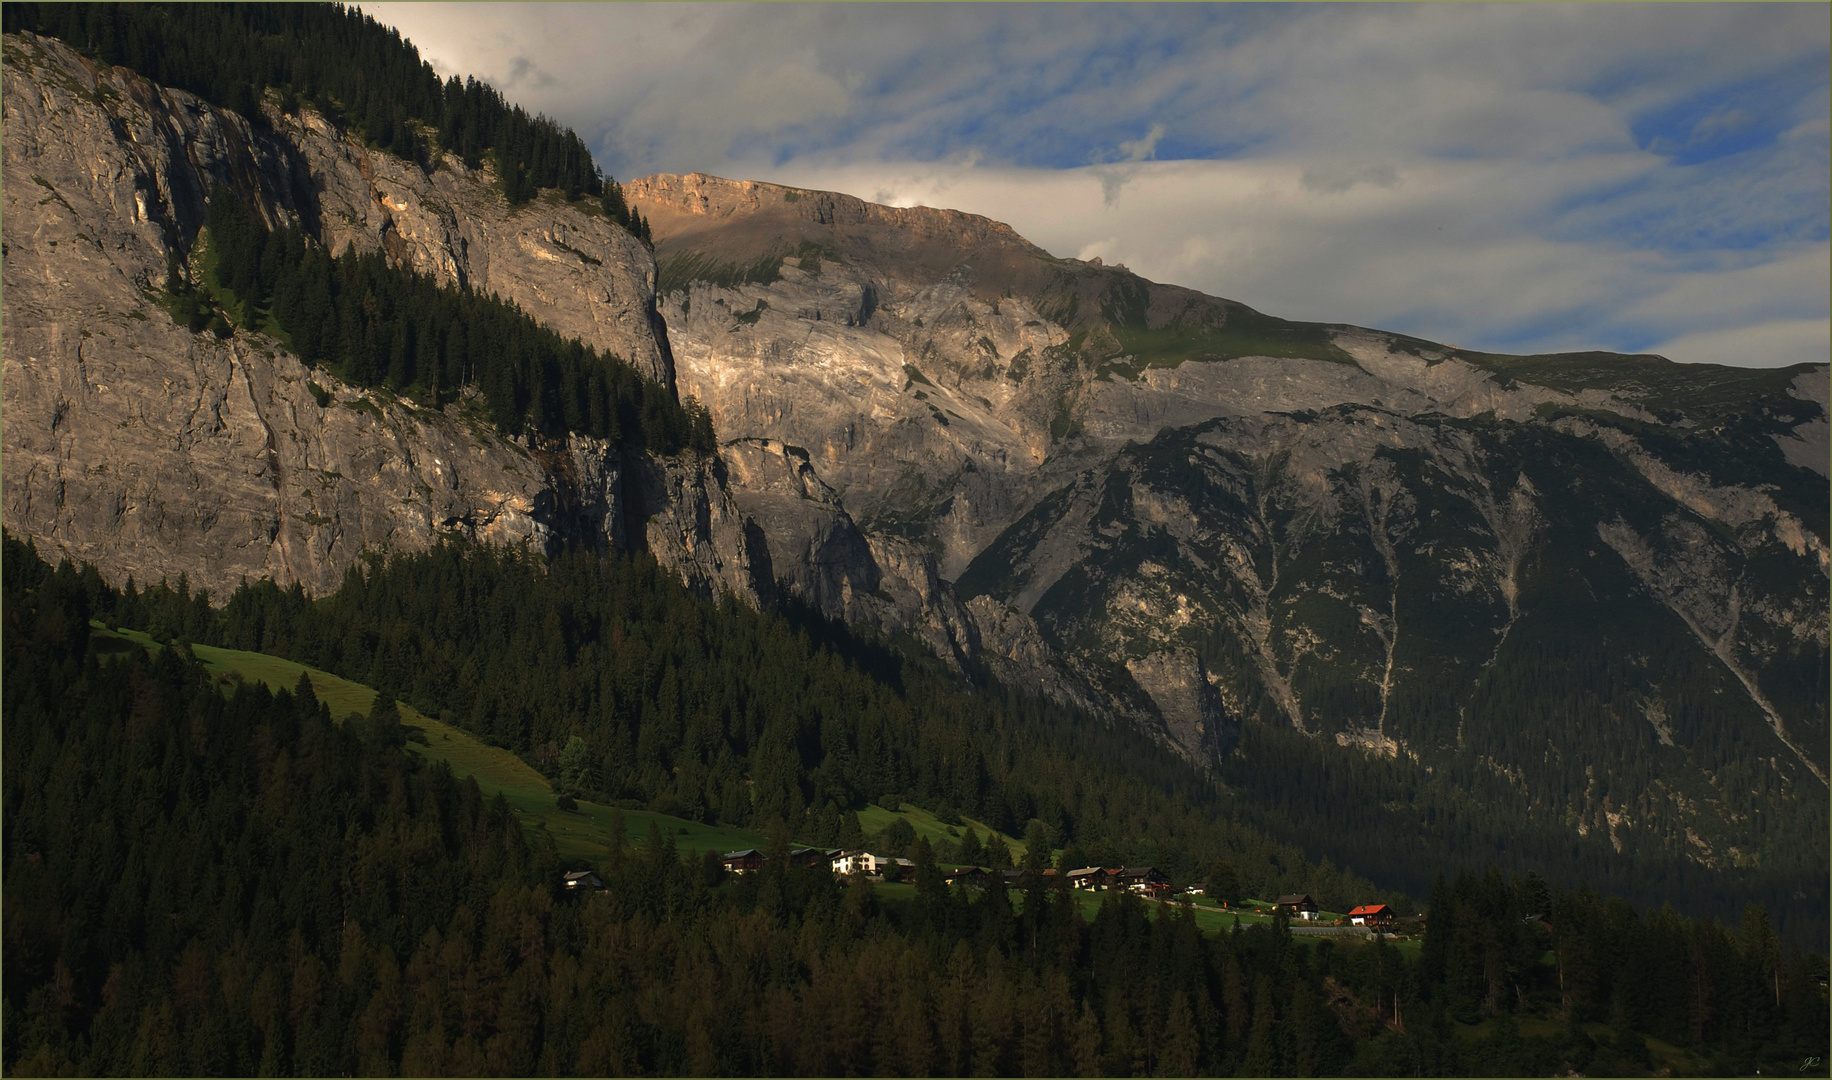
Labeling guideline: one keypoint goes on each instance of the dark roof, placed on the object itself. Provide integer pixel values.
(1295, 898)
(741, 854)
(579, 875)
(1139, 871)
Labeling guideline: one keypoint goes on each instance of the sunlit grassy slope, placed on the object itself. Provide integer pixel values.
(584, 835)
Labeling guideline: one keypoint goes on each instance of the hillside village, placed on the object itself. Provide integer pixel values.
(1148, 882)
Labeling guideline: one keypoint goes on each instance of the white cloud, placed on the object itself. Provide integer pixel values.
(1765, 344)
(1475, 173)
(1433, 253)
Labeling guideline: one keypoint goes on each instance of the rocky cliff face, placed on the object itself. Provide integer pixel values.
(1197, 516)
(1595, 583)
(145, 449)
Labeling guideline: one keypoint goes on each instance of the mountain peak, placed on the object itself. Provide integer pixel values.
(697, 194)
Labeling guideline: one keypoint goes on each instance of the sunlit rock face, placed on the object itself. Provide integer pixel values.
(151, 451)
(1597, 580)
(1196, 516)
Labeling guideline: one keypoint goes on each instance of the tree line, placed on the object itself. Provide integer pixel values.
(613, 680)
(373, 324)
(214, 880)
(348, 66)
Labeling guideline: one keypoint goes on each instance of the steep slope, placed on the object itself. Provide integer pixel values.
(1592, 584)
(137, 445)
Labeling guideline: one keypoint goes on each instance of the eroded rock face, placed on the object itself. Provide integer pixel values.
(1192, 516)
(567, 265)
(151, 451)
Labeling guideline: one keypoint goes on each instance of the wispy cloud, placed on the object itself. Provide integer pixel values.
(1510, 176)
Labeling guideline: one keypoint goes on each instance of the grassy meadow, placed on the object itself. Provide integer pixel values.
(584, 835)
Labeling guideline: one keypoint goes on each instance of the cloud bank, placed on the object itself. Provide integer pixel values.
(1511, 177)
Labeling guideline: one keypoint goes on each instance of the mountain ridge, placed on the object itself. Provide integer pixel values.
(1167, 509)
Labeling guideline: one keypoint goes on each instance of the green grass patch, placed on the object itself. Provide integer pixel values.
(1655, 382)
(582, 834)
(875, 819)
(1244, 334)
(678, 271)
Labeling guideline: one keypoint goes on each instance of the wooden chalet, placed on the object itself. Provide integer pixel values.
(1144, 880)
(1088, 877)
(1296, 905)
(581, 881)
(748, 861)
(971, 876)
(808, 856)
(1373, 916)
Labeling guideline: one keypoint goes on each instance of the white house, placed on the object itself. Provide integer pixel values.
(864, 862)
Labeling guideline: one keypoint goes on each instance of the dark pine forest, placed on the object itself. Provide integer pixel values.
(288, 896)
(373, 324)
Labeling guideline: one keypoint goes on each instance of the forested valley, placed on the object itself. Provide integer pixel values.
(210, 882)
(214, 878)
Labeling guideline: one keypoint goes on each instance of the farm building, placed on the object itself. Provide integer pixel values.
(748, 861)
(1373, 916)
(864, 862)
(1144, 880)
(807, 856)
(1296, 905)
(581, 881)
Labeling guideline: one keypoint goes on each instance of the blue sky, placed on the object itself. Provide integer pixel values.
(1518, 177)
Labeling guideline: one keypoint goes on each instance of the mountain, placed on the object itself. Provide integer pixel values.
(149, 450)
(1591, 587)
(1409, 606)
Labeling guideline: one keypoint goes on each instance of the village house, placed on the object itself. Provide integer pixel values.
(1373, 916)
(807, 856)
(1145, 880)
(1296, 905)
(581, 881)
(971, 876)
(1088, 877)
(864, 862)
(748, 861)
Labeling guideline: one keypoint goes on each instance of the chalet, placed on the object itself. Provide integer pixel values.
(971, 876)
(864, 862)
(581, 881)
(1088, 877)
(807, 856)
(1296, 905)
(748, 861)
(1144, 880)
(1373, 916)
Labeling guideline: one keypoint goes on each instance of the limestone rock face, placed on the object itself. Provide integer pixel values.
(151, 451)
(566, 265)
(1192, 516)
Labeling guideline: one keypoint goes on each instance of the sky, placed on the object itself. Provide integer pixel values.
(1513, 177)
